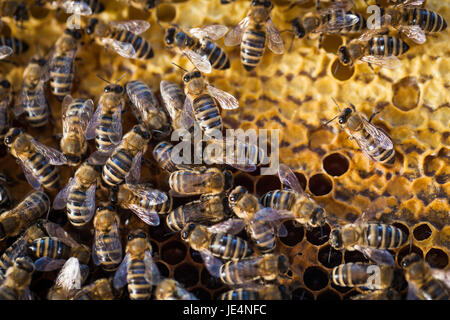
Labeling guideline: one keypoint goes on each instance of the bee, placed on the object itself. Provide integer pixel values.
(385, 294)
(424, 282)
(293, 203)
(200, 103)
(209, 209)
(198, 47)
(107, 246)
(144, 201)
(200, 180)
(61, 63)
(137, 269)
(380, 50)
(170, 289)
(69, 280)
(173, 99)
(81, 7)
(12, 45)
(146, 108)
(267, 292)
(251, 33)
(5, 196)
(218, 241)
(144, 5)
(163, 155)
(78, 196)
(17, 10)
(106, 123)
(22, 216)
(31, 98)
(123, 37)
(98, 290)
(6, 98)
(373, 141)
(17, 280)
(125, 161)
(366, 275)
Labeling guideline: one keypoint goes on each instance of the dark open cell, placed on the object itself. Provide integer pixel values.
(331, 43)
(407, 249)
(209, 281)
(351, 294)
(436, 258)
(328, 295)
(266, 184)
(301, 179)
(302, 294)
(245, 181)
(354, 256)
(315, 278)
(195, 255)
(161, 233)
(173, 252)
(329, 257)
(335, 164)
(320, 184)
(186, 274)
(422, 232)
(430, 164)
(295, 234)
(200, 293)
(163, 269)
(166, 12)
(402, 227)
(340, 71)
(318, 235)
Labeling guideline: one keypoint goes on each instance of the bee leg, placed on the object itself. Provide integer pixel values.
(370, 66)
(320, 40)
(373, 115)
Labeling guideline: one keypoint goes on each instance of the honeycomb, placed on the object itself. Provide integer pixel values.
(291, 92)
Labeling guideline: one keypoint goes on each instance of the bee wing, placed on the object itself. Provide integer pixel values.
(100, 157)
(336, 5)
(5, 52)
(48, 264)
(391, 62)
(116, 126)
(153, 196)
(29, 175)
(65, 104)
(346, 21)
(378, 135)
(56, 231)
(134, 175)
(61, 198)
(113, 244)
(90, 202)
(412, 291)
(212, 263)
(226, 100)
(120, 277)
(289, 179)
(19, 106)
(69, 277)
(54, 156)
(213, 32)
(411, 3)
(187, 118)
(380, 256)
(152, 274)
(369, 214)
(124, 49)
(93, 123)
(231, 226)
(415, 33)
(134, 26)
(276, 43)
(147, 215)
(200, 61)
(442, 275)
(234, 37)
(370, 33)
(77, 7)
(19, 248)
(270, 214)
(172, 102)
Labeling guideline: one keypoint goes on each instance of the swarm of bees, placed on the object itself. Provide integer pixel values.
(234, 231)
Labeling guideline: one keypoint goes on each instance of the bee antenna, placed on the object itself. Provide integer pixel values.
(329, 255)
(292, 42)
(326, 123)
(121, 77)
(99, 76)
(179, 67)
(339, 108)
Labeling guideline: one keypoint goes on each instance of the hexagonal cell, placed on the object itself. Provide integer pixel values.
(186, 274)
(422, 232)
(166, 12)
(320, 185)
(209, 281)
(436, 258)
(335, 164)
(302, 294)
(315, 278)
(319, 235)
(328, 295)
(406, 94)
(295, 234)
(266, 184)
(245, 181)
(403, 252)
(173, 252)
(341, 72)
(329, 257)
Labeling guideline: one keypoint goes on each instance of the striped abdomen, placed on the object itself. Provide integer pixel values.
(216, 55)
(51, 248)
(77, 211)
(159, 208)
(103, 131)
(279, 199)
(207, 113)
(238, 272)
(61, 75)
(383, 236)
(339, 15)
(252, 48)
(429, 21)
(117, 167)
(18, 46)
(387, 46)
(264, 236)
(46, 173)
(35, 113)
(33, 207)
(434, 289)
(162, 154)
(109, 254)
(141, 46)
(138, 287)
(378, 153)
(7, 293)
(241, 294)
(366, 275)
(17, 249)
(227, 246)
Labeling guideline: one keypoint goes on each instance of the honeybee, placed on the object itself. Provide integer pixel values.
(170, 289)
(17, 280)
(107, 246)
(18, 10)
(123, 37)
(163, 155)
(12, 45)
(69, 280)
(142, 4)
(209, 209)
(81, 7)
(6, 98)
(200, 103)
(5, 196)
(201, 180)
(198, 47)
(173, 99)
(106, 123)
(373, 141)
(424, 282)
(266, 292)
(366, 275)
(22, 216)
(146, 108)
(125, 161)
(143, 200)
(251, 34)
(61, 63)
(137, 269)
(78, 196)
(218, 241)
(380, 50)
(31, 98)
(98, 290)
(293, 203)
(385, 294)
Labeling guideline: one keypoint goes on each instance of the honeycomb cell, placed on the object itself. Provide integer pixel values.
(301, 179)
(295, 234)
(266, 184)
(436, 258)
(302, 294)
(315, 278)
(331, 43)
(406, 93)
(186, 274)
(173, 252)
(335, 164)
(166, 12)
(163, 269)
(329, 257)
(402, 227)
(341, 72)
(195, 255)
(403, 252)
(319, 235)
(320, 184)
(209, 281)
(245, 181)
(354, 256)
(328, 295)
(422, 232)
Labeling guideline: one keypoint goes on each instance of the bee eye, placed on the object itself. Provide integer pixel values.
(118, 89)
(141, 235)
(5, 84)
(100, 208)
(197, 74)
(107, 89)
(130, 237)
(186, 78)
(111, 208)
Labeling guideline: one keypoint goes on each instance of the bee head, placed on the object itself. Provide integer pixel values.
(344, 56)
(236, 194)
(5, 84)
(298, 29)
(187, 230)
(136, 235)
(75, 33)
(11, 136)
(169, 38)
(140, 130)
(409, 260)
(91, 26)
(343, 117)
(228, 178)
(115, 88)
(191, 75)
(262, 3)
(336, 239)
